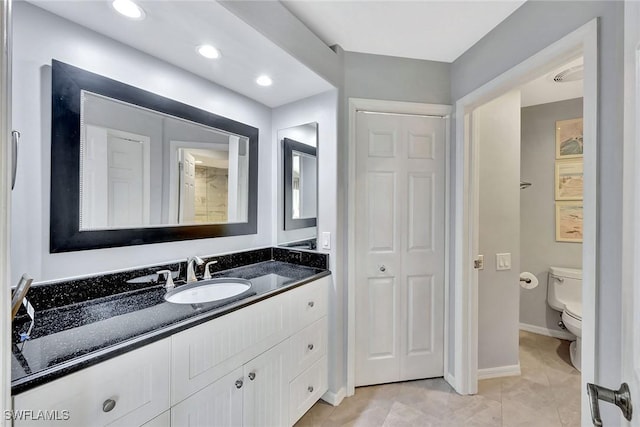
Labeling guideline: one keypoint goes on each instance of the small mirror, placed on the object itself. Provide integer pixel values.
(300, 169)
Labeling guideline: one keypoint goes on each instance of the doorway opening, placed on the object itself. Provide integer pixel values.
(469, 201)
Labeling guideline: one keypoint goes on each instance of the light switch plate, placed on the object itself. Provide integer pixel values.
(479, 262)
(503, 261)
(326, 240)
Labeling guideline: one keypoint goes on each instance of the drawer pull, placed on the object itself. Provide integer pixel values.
(310, 389)
(310, 347)
(252, 376)
(108, 405)
(311, 304)
(239, 383)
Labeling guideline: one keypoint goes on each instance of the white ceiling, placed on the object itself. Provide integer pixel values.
(544, 90)
(432, 30)
(172, 30)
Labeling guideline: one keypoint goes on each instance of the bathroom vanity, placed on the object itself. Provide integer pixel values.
(133, 359)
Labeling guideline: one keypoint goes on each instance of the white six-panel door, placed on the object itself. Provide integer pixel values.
(400, 205)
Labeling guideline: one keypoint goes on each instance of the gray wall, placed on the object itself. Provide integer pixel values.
(497, 127)
(532, 27)
(396, 79)
(538, 247)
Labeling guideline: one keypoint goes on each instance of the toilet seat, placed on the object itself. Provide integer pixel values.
(574, 310)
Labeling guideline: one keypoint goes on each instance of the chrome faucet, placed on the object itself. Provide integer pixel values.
(191, 274)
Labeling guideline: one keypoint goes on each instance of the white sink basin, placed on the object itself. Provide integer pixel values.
(207, 291)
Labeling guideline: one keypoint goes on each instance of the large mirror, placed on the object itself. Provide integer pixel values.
(132, 167)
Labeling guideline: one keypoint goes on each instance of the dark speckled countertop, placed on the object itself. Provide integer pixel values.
(69, 338)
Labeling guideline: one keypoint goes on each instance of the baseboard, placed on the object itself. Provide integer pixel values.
(334, 398)
(563, 335)
(500, 371)
(450, 379)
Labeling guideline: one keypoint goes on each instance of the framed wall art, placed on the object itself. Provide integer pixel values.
(569, 179)
(569, 220)
(569, 139)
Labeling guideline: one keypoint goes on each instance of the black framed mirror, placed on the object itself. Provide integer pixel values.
(130, 167)
(300, 184)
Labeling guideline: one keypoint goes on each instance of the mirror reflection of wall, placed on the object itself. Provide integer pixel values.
(304, 185)
(125, 185)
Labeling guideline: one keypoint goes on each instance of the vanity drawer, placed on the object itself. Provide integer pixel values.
(309, 303)
(128, 390)
(307, 388)
(308, 346)
(204, 353)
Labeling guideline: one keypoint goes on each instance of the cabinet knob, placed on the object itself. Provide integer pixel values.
(383, 268)
(252, 376)
(108, 405)
(311, 304)
(310, 389)
(239, 383)
(310, 347)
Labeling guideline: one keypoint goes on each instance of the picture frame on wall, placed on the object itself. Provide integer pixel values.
(569, 221)
(569, 139)
(569, 182)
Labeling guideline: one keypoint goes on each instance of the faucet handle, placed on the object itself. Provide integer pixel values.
(169, 275)
(207, 273)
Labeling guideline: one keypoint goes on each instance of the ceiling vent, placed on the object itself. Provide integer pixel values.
(571, 74)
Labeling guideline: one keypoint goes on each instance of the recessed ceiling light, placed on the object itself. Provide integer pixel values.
(128, 9)
(208, 51)
(264, 80)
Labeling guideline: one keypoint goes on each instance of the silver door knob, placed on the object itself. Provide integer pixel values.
(252, 376)
(310, 347)
(383, 268)
(310, 389)
(621, 398)
(311, 304)
(239, 383)
(108, 405)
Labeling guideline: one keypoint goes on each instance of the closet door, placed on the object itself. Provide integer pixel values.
(400, 203)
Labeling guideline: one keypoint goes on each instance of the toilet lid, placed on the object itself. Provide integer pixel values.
(574, 309)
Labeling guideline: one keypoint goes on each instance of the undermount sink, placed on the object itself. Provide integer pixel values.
(205, 291)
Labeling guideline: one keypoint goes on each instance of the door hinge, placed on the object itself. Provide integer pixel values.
(478, 263)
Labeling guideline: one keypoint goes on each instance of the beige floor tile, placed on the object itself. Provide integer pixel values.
(546, 394)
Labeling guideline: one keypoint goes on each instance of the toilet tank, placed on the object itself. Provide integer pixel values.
(564, 285)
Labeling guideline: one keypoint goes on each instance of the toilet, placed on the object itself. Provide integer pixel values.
(564, 294)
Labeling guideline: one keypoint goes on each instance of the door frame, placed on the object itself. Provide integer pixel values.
(5, 205)
(583, 41)
(630, 198)
(391, 107)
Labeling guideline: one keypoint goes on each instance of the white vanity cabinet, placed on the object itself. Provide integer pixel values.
(128, 390)
(261, 365)
(308, 371)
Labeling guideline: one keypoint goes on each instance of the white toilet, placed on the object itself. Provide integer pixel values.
(564, 294)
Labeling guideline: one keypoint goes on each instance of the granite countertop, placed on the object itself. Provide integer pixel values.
(69, 338)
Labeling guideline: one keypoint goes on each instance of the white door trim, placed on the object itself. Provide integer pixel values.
(630, 205)
(581, 41)
(5, 206)
(397, 107)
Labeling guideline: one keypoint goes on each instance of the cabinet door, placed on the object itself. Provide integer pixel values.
(266, 397)
(219, 404)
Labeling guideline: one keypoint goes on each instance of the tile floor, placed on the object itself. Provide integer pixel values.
(546, 394)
